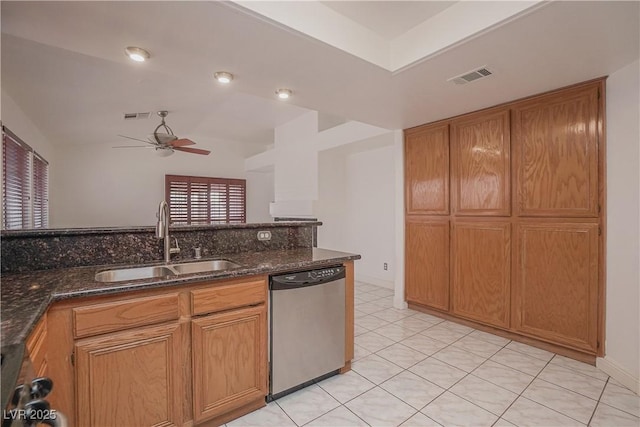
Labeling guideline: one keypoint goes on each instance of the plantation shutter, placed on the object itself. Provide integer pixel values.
(200, 200)
(236, 189)
(40, 192)
(15, 183)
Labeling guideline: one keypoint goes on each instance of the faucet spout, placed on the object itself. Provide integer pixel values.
(162, 231)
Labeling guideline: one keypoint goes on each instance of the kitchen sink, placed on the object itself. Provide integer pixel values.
(203, 266)
(137, 273)
(125, 274)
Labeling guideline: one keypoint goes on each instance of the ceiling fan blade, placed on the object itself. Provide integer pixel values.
(181, 142)
(193, 150)
(136, 139)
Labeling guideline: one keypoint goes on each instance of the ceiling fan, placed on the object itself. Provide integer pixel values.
(165, 141)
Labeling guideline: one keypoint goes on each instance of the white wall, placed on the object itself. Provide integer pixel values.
(622, 359)
(259, 195)
(330, 207)
(357, 205)
(102, 186)
(370, 188)
(296, 166)
(20, 124)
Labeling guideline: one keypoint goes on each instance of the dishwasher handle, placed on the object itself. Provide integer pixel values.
(306, 278)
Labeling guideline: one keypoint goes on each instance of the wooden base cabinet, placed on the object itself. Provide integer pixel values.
(131, 378)
(229, 354)
(427, 266)
(555, 293)
(481, 257)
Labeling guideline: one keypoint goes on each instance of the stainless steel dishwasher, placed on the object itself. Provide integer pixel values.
(307, 328)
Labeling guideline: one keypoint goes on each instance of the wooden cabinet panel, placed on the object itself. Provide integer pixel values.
(226, 297)
(427, 170)
(555, 144)
(481, 255)
(37, 346)
(119, 315)
(555, 293)
(131, 378)
(427, 262)
(229, 361)
(480, 165)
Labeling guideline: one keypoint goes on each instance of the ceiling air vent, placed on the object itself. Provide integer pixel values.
(136, 116)
(470, 76)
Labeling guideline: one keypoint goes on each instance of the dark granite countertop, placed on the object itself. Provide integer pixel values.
(39, 232)
(26, 296)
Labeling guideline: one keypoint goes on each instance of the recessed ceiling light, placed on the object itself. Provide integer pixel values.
(223, 77)
(136, 53)
(284, 93)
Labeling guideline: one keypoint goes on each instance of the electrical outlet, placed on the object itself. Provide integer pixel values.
(386, 266)
(264, 235)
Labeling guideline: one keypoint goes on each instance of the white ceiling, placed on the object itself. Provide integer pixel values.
(388, 19)
(63, 64)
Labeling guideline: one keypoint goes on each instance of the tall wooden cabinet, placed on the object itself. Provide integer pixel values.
(516, 243)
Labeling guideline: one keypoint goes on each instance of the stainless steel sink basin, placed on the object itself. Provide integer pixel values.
(123, 274)
(204, 266)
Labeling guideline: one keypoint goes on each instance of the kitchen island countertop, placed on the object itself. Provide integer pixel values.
(26, 296)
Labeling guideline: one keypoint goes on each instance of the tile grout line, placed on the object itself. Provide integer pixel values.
(599, 399)
(522, 392)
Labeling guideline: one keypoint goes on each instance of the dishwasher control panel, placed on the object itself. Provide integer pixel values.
(307, 278)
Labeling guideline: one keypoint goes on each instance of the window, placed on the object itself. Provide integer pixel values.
(25, 185)
(195, 200)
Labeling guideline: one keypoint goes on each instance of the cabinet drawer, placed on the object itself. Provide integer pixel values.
(228, 296)
(114, 316)
(37, 345)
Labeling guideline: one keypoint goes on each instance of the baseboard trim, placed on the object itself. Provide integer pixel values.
(375, 281)
(616, 372)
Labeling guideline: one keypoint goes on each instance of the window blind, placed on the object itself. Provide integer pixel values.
(40, 192)
(195, 200)
(25, 184)
(15, 183)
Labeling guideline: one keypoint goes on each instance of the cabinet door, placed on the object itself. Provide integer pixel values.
(427, 170)
(229, 360)
(480, 168)
(481, 271)
(427, 262)
(555, 293)
(555, 143)
(131, 378)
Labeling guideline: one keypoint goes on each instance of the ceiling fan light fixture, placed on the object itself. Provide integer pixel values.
(136, 53)
(164, 152)
(284, 93)
(223, 77)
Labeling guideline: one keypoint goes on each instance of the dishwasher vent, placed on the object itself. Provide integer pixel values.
(136, 116)
(470, 76)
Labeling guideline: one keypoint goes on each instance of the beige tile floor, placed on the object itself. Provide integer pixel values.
(413, 369)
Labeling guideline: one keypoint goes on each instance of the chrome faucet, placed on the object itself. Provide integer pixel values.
(162, 231)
